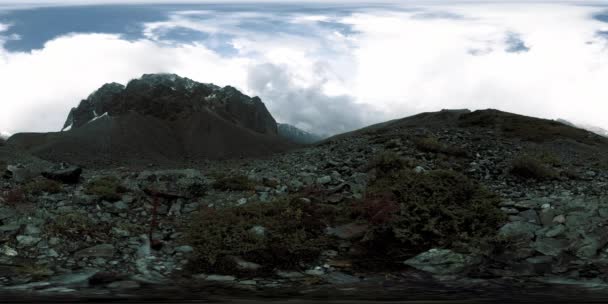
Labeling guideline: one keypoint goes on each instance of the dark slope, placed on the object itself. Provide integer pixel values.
(159, 119)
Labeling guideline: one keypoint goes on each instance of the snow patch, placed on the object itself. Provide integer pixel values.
(68, 128)
(98, 117)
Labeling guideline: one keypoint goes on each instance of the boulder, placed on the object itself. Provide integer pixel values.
(518, 230)
(186, 183)
(64, 173)
(443, 261)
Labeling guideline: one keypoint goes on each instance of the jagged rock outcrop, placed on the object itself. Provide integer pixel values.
(159, 118)
(296, 135)
(168, 97)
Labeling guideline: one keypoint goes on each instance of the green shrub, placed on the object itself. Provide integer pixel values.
(234, 183)
(293, 233)
(107, 188)
(387, 162)
(42, 185)
(411, 212)
(530, 167)
(429, 144)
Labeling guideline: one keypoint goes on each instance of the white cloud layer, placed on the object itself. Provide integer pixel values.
(542, 60)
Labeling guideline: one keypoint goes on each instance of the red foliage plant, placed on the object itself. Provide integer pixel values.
(13, 196)
(378, 209)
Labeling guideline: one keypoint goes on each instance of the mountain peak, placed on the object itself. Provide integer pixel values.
(170, 97)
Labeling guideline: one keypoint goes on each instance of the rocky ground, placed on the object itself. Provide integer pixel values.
(124, 231)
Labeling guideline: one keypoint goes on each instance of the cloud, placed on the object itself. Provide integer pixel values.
(308, 108)
(335, 69)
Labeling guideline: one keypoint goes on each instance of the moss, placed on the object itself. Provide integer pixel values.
(293, 233)
(36, 271)
(531, 167)
(234, 183)
(411, 212)
(107, 188)
(42, 185)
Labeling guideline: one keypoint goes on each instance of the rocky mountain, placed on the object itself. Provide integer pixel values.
(590, 128)
(160, 118)
(296, 135)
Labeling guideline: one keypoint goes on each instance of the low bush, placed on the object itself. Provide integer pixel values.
(42, 185)
(77, 227)
(107, 188)
(14, 196)
(432, 144)
(293, 232)
(530, 167)
(234, 183)
(411, 212)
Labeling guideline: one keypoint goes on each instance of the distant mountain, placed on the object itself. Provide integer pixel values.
(296, 135)
(590, 128)
(160, 118)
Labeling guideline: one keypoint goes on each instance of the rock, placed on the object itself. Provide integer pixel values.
(556, 231)
(20, 174)
(186, 183)
(8, 251)
(64, 173)
(560, 219)
(103, 250)
(184, 249)
(442, 261)
(324, 180)
(258, 230)
(80, 278)
(120, 205)
(530, 216)
(518, 230)
(241, 264)
(241, 201)
(124, 285)
(348, 231)
(26, 240)
(341, 278)
(289, 274)
(550, 246)
(7, 213)
(220, 278)
(546, 217)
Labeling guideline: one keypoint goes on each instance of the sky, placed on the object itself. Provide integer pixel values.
(324, 67)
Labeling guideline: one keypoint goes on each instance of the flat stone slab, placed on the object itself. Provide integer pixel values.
(103, 250)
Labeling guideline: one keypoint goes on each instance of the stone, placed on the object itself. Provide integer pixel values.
(560, 219)
(324, 180)
(289, 274)
(26, 240)
(64, 173)
(546, 217)
(124, 285)
(518, 230)
(258, 231)
(8, 251)
(443, 261)
(341, 278)
(550, 246)
(80, 278)
(103, 250)
(530, 216)
(7, 213)
(556, 231)
(184, 249)
(120, 205)
(187, 183)
(20, 173)
(220, 278)
(241, 264)
(348, 231)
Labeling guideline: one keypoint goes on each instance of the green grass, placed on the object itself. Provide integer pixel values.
(42, 185)
(234, 183)
(107, 188)
(531, 167)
